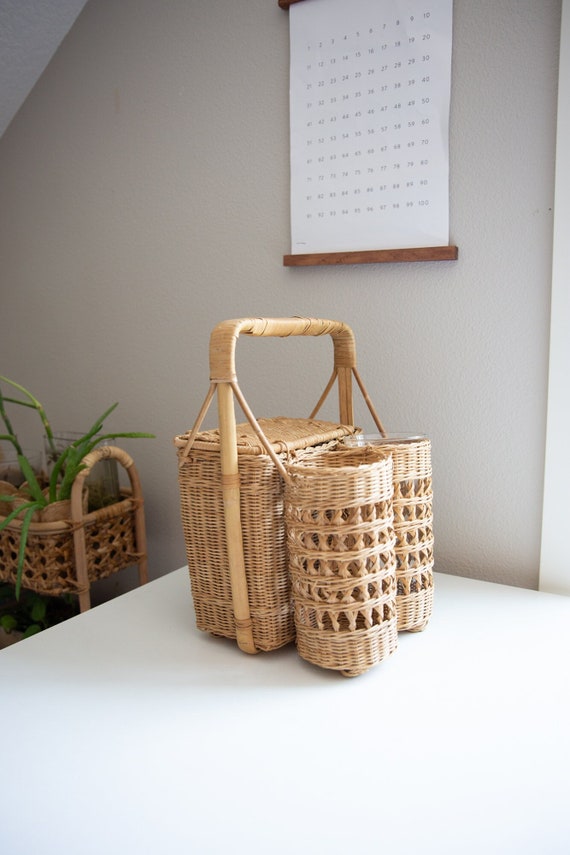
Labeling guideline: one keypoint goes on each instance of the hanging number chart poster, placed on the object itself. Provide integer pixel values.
(369, 110)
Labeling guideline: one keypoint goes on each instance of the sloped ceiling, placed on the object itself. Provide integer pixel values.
(30, 33)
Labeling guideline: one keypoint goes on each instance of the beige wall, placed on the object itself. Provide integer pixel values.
(144, 197)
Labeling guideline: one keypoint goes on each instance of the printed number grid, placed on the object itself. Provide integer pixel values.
(369, 150)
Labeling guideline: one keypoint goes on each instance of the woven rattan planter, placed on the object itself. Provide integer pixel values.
(413, 524)
(66, 555)
(340, 536)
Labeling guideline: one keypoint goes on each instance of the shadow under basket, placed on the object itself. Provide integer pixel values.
(66, 555)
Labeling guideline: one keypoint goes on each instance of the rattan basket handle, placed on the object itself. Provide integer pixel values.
(106, 452)
(224, 337)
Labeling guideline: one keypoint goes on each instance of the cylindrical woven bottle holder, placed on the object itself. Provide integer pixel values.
(340, 536)
(413, 523)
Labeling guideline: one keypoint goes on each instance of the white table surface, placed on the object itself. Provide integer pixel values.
(125, 730)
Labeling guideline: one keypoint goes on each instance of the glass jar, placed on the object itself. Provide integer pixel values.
(358, 439)
(10, 470)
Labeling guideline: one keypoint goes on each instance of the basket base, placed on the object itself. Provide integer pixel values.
(419, 628)
(350, 653)
(415, 609)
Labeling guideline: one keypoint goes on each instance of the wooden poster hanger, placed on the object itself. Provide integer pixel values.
(378, 256)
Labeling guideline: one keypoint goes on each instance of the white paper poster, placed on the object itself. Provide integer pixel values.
(369, 110)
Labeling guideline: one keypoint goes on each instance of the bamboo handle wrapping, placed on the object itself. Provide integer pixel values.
(225, 335)
(232, 517)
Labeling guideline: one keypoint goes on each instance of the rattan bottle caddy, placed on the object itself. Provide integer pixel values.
(340, 533)
(413, 524)
(68, 549)
(232, 481)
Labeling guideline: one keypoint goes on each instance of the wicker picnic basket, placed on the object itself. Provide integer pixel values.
(340, 536)
(231, 488)
(413, 524)
(263, 529)
(67, 549)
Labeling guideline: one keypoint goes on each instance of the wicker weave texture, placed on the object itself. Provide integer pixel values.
(263, 527)
(341, 543)
(67, 549)
(413, 524)
(49, 558)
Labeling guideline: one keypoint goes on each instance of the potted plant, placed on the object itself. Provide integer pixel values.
(42, 497)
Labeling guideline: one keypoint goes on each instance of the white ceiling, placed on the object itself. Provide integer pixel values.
(30, 33)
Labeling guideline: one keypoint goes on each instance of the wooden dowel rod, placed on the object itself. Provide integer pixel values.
(375, 256)
(197, 424)
(323, 397)
(232, 516)
(259, 433)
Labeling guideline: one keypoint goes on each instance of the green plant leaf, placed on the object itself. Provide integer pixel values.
(8, 425)
(96, 427)
(34, 402)
(69, 463)
(58, 468)
(33, 629)
(13, 514)
(73, 467)
(38, 610)
(8, 622)
(30, 477)
(20, 403)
